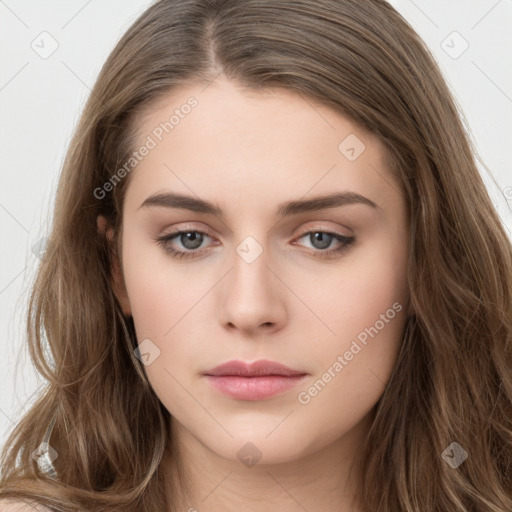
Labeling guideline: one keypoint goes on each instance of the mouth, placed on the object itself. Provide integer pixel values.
(257, 381)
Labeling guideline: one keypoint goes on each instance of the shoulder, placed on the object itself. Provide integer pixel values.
(20, 506)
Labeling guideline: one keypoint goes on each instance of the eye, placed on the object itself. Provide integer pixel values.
(323, 239)
(191, 240)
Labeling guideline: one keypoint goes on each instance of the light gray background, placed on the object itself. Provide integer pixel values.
(41, 98)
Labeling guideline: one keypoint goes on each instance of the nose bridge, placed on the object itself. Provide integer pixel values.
(251, 264)
(251, 296)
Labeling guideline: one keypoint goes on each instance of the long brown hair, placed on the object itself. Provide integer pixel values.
(452, 382)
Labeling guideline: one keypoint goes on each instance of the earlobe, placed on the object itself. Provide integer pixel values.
(117, 280)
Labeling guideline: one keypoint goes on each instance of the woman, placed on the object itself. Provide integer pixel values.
(275, 277)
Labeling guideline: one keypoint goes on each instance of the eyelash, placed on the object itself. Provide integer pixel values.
(163, 240)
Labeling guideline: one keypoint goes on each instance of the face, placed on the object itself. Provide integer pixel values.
(267, 270)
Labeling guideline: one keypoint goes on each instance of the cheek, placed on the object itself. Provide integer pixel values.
(162, 306)
(352, 294)
(165, 301)
(158, 293)
(363, 312)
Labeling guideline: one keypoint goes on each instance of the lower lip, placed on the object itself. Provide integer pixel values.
(253, 388)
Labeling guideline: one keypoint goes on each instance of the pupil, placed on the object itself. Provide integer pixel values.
(195, 238)
(324, 239)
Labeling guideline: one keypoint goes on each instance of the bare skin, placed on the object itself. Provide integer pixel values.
(248, 152)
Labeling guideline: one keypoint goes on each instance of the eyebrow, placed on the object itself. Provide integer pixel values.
(171, 200)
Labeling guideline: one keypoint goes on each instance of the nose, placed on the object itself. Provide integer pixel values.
(253, 297)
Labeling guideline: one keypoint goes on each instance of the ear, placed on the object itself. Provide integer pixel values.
(117, 281)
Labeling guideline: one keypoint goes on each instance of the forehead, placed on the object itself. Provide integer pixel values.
(270, 145)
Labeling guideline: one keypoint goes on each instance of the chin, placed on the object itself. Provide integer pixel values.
(251, 447)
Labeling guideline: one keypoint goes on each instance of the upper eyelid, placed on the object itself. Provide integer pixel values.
(315, 227)
(304, 232)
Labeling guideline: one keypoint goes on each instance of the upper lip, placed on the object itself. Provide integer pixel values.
(258, 368)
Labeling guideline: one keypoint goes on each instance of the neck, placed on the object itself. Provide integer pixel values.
(200, 479)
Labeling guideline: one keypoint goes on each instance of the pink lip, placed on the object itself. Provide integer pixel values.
(256, 381)
(256, 369)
